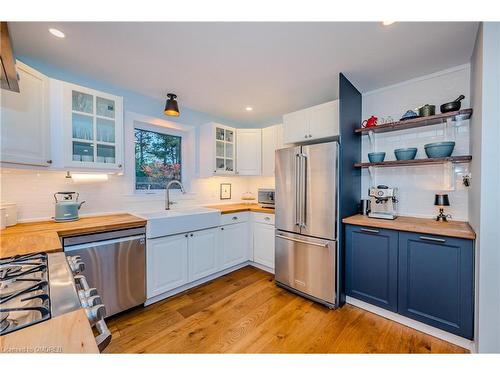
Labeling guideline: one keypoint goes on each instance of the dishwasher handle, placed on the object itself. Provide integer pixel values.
(141, 238)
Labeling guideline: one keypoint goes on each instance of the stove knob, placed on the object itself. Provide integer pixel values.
(95, 313)
(77, 267)
(82, 282)
(87, 293)
(74, 258)
(94, 301)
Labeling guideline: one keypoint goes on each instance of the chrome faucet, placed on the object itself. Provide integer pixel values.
(167, 194)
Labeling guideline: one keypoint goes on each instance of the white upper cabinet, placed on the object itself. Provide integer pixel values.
(321, 121)
(248, 152)
(217, 150)
(324, 120)
(87, 127)
(296, 126)
(272, 140)
(25, 130)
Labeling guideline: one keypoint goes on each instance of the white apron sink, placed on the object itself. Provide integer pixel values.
(168, 222)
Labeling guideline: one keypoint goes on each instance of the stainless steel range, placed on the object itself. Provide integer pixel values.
(38, 287)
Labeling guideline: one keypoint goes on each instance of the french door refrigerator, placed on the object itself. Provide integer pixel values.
(306, 221)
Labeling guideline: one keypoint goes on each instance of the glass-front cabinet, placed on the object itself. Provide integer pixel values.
(217, 154)
(92, 123)
(224, 150)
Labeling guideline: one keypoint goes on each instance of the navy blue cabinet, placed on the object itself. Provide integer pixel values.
(372, 265)
(436, 276)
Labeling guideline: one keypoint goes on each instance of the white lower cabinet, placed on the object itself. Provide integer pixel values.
(263, 244)
(202, 254)
(234, 244)
(167, 264)
(178, 261)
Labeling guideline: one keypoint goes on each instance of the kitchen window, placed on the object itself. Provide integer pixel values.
(157, 159)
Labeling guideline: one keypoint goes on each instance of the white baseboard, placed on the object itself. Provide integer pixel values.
(262, 267)
(440, 334)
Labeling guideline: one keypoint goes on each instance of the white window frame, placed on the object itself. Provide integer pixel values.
(187, 133)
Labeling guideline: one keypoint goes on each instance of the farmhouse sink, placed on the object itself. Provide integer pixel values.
(168, 222)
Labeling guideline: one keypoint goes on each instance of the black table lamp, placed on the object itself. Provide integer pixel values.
(441, 200)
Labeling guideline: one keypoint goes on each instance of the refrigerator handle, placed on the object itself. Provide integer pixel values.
(297, 189)
(303, 185)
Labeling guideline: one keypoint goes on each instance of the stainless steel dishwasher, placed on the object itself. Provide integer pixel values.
(115, 264)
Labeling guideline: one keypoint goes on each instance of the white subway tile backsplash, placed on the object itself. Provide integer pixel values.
(33, 191)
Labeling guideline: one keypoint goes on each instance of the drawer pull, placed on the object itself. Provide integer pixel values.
(432, 239)
(235, 217)
(369, 230)
(267, 218)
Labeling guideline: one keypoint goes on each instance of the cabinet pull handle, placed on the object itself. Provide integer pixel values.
(432, 239)
(221, 228)
(369, 230)
(185, 235)
(235, 218)
(267, 218)
(49, 161)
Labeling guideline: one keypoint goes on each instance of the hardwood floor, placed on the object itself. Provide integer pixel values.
(245, 312)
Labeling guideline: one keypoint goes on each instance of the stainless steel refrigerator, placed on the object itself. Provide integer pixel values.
(306, 221)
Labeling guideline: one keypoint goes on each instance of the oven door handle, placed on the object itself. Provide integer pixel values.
(102, 243)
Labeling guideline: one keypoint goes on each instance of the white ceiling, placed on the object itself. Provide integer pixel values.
(220, 68)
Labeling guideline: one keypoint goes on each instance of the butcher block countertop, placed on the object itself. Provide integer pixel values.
(43, 236)
(458, 229)
(240, 207)
(67, 333)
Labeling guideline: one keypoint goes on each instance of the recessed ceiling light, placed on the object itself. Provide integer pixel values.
(248, 108)
(387, 23)
(57, 33)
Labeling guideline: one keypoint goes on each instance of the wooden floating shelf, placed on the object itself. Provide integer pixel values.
(397, 163)
(463, 114)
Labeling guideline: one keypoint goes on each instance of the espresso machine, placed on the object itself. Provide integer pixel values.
(383, 202)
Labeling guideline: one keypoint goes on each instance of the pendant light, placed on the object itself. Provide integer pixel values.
(171, 107)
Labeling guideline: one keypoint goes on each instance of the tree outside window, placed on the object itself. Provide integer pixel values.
(157, 159)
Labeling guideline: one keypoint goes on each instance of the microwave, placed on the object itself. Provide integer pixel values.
(266, 198)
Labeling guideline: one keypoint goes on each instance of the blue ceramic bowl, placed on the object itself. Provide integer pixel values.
(405, 153)
(439, 149)
(376, 157)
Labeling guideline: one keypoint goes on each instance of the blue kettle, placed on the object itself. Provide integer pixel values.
(67, 207)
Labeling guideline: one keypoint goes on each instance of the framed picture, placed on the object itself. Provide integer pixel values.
(225, 191)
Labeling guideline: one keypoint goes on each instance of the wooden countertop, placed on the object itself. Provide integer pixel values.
(459, 229)
(240, 207)
(43, 236)
(67, 333)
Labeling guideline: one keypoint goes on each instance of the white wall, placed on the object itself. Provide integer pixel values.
(417, 185)
(484, 193)
(32, 190)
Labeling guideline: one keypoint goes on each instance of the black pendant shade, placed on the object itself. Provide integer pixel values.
(441, 200)
(171, 106)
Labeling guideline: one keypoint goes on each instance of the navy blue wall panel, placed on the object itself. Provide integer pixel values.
(350, 101)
